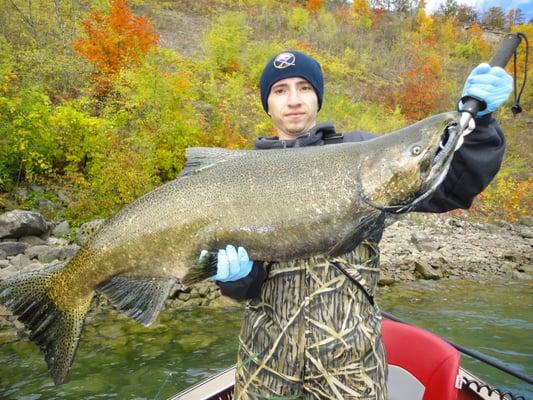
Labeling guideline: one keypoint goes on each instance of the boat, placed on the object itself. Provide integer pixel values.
(415, 373)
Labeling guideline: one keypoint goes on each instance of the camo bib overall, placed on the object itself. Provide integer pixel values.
(312, 334)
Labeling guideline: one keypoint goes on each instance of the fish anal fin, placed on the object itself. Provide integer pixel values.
(139, 297)
(368, 226)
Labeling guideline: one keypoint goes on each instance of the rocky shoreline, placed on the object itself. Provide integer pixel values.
(420, 246)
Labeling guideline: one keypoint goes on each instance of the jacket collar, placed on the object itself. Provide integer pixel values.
(313, 137)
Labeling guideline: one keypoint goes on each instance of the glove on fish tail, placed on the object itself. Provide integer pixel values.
(55, 330)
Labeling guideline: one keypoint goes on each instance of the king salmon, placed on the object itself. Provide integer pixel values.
(278, 204)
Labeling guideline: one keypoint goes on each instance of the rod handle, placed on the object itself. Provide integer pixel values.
(502, 56)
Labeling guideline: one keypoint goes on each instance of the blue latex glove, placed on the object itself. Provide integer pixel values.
(491, 84)
(232, 264)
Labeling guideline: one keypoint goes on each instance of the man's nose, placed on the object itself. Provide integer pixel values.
(294, 97)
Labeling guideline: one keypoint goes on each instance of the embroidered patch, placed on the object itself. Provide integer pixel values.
(284, 60)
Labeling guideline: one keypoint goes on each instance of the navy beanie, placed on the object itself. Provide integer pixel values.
(291, 64)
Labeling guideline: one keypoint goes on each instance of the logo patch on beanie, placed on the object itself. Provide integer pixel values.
(284, 60)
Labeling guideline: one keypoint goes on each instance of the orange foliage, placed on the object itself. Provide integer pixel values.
(116, 40)
(377, 15)
(342, 14)
(422, 91)
(314, 5)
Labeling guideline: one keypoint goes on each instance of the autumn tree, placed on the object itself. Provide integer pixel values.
(494, 18)
(115, 40)
(515, 16)
(466, 15)
(422, 91)
(314, 5)
(448, 9)
(361, 8)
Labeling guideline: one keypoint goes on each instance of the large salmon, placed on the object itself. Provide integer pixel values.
(278, 204)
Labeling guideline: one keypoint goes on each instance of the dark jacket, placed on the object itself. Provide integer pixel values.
(473, 166)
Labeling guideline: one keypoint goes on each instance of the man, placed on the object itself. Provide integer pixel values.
(309, 332)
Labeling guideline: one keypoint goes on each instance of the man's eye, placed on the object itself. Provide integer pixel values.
(306, 87)
(279, 91)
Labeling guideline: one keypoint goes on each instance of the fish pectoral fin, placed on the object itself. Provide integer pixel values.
(201, 158)
(202, 269)
(139, 297)
(56, 329)
(368, 226)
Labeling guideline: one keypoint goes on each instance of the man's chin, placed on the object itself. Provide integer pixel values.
(295, 130)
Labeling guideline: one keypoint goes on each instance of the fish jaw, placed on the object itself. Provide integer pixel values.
(402, 169)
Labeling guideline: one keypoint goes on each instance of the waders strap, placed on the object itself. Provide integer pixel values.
(369, 297)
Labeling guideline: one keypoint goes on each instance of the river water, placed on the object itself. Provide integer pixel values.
(120, 359)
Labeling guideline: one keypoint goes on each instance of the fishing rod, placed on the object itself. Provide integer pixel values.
(474, 354)
(507, 49)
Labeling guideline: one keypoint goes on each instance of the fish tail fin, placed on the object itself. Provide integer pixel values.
(202, 268)
(55, 330)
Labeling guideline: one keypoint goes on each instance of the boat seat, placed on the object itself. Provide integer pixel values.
(422, 366)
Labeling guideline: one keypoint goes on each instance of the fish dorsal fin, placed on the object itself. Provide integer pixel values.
(139, 297)
(201, 158)
(368, 226)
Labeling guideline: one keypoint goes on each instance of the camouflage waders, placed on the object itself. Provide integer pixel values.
(312, 334)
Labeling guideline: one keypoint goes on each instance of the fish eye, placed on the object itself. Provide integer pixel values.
(416, 150)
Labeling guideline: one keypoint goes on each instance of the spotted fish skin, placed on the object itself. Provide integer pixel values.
(278, 204)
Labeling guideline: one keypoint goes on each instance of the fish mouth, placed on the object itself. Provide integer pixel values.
(433, 178)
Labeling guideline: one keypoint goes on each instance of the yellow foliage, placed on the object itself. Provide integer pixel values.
(506, 197)
(361, 8)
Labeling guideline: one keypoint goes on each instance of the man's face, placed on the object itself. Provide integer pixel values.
(293, 106)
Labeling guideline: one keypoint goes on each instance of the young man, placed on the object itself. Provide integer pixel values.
(308, 331)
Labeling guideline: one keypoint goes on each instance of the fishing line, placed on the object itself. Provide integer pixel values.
(476, 355)
(516, 108)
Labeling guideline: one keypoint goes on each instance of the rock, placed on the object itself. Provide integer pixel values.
(69, 251)
(423, 242)
(520, 276)
(184, 296)
(32, 240)
(20, 261)
(61, 229)
(426, 271)
(4, 264)
(212, 295)
(3, 255)
(526, 232)
(526, 220)
(224, 302)
(35, 251)
(46, 206)
(19, 223)
(63, 197)
(386, 280)
(176, 289)
(53, 241)
(204, 288)
(53, 253)
(504, 224)
(87, 230)
(193, 303)
(13, 248)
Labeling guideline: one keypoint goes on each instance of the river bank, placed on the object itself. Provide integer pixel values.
(417, 247)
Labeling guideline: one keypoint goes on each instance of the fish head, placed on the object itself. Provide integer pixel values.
(407, 165)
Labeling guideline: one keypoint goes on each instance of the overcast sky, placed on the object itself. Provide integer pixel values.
(483, 5)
